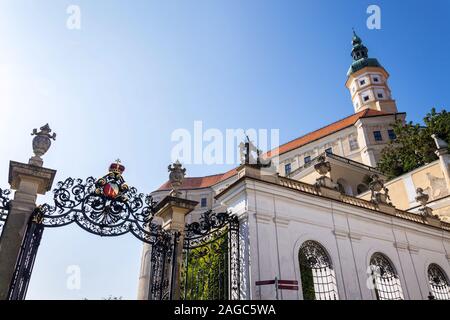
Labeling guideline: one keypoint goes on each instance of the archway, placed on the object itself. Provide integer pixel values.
(385, 278)
(317, 274)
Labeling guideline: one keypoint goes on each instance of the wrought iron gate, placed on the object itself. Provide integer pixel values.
(25, 262)
(106, 207)
(210, 269)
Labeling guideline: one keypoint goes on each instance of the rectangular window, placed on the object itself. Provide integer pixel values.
(377, 136)
(366, 98)
(375, 79)
(329, 150)
(203, 202)
(307, 159)
(353, 144)
(287, 169)
(380, 95)
(362, 82)
(392, 135)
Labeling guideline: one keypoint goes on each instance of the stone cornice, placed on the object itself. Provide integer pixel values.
(21, 171)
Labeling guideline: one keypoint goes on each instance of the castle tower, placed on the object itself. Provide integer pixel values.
(367, 81)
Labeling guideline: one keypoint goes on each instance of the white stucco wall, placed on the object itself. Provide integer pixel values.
(276, 221)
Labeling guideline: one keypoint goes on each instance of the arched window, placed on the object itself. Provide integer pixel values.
(385, 279)
(362, 188)
(439, 285)
(317, 274)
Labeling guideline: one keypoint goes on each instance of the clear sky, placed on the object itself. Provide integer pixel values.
(138, 70)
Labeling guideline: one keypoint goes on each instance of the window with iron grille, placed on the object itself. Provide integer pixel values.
(385, 279)
(317, 274)
(439, 285)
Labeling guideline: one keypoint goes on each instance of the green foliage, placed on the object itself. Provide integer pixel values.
(205, 270)
(307, 279)
(414, 146)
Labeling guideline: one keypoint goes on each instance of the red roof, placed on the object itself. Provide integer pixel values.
(201, 182)
(208, 181)
(325, 131)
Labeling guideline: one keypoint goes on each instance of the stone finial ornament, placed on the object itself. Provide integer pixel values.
(323, 167)
(380, 194)
(440, 144)
(41, 143)
(176, 177)
(423, 198)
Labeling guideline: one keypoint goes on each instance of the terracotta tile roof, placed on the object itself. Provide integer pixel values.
(208, 181)
(325, 131)
(201, 182)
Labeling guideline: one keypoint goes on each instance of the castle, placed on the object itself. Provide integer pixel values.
(327, 219)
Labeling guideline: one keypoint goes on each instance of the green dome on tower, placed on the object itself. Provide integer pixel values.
(360, 56)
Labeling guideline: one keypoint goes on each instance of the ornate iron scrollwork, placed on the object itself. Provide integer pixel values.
(209, 220)
(439, 284)
(317, 273)
(105, 207)
(385, 279)
(211, 257)
(4, 207)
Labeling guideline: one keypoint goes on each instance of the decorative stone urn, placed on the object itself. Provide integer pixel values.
(41, 143)
(176, 178)
(376, 186)
(323, 167)
(423, 198)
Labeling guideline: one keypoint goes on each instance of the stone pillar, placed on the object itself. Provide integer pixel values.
(28, 180)
(172, 211)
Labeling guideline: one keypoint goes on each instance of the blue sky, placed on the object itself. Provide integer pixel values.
(136, 71)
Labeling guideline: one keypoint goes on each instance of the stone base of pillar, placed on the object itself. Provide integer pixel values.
(172, 211)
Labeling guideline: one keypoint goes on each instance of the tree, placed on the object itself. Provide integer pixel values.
(413, 146)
